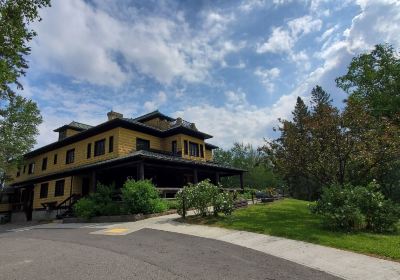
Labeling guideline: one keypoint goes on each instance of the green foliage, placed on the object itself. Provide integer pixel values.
(85, 208)
(99, 203)
(19, 117)
(291, 218)
(201, 197)
(172, 203)
(16, 17)
(355, 208)
(243, 156)
(18, 129)
(142, 197)
(323, 145)
(373, 79)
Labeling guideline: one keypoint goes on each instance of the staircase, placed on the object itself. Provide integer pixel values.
(65, 208)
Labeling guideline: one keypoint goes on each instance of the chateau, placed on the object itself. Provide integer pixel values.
(171, 152)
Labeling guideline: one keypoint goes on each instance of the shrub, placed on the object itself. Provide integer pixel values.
(201, 197)
(223, 202)
(99, 203)
(172, 203)
(85, 208)
(142, 197)
(354, 208)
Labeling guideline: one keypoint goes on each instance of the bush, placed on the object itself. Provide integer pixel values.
(355, 208)
(142, 197)
(172, 203)
(85, 208)
(99, 203)
(201, 197)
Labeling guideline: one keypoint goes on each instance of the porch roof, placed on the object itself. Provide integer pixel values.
(136, 156)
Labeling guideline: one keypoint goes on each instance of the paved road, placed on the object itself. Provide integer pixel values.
(73, 253)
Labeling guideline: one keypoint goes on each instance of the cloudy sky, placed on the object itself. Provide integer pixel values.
(232, 67)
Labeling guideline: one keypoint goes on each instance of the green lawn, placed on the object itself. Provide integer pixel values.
(292, 219)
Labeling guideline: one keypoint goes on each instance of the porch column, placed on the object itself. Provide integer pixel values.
(241, 180)
(140, 170)
(94, 181)
(217, 178)
(195, 178)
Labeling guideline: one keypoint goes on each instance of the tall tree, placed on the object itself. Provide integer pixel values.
(15, 34)
(259, 175)
(373, 78)
(18, 124)
(19, 117)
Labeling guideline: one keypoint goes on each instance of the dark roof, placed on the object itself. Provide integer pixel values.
(153, 115)
(75, 126)
(210, 146)
(118, 122)
(139, 155)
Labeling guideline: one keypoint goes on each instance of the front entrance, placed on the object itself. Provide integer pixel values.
(27, 202)
(85, 186)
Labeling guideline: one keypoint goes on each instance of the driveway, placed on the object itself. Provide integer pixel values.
(72, 252)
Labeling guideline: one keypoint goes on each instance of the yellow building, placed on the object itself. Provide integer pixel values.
(171, 152)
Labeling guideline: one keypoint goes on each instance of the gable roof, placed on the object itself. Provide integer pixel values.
(73, 125)
(153, 115)
(118, 122)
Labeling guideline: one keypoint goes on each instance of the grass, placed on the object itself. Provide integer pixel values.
(292, 219)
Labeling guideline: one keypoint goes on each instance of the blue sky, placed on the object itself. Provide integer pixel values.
(232, 67)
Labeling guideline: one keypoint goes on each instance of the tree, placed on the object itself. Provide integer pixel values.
(17, 130)
(15, 34)
(373, 79)
(19, 117)
(243, 156)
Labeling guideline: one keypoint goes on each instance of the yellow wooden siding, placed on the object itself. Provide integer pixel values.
(184, 137)
(127, 141)
(50, 194)
(5, 207)
(70, 132)
(80, 156)
(209, 155)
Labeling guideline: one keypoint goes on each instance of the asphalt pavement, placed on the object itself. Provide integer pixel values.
(71, 252)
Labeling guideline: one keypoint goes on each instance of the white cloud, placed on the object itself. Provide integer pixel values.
(283, 39)
(158, 100)
(104, 50)
(236, 97)
(268, 76)
(279, 41)
(248, 124)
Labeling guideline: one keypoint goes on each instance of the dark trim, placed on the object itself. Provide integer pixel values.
(148, 157)
(153, 115)
(209, 146)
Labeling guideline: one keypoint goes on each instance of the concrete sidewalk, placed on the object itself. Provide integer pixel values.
(340, 263)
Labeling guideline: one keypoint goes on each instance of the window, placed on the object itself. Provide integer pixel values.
(174, 147)
(70, 157)
(44, 190)
(89, 150)
(59, 190)
(111, 144)
(201, 151)
(99, 147)
(24, 169)
(31, 168)
(62, 135)
(142, 144)
(194, 149)
(19, 172)
(185, 144)
(44, 164)
(55, 159)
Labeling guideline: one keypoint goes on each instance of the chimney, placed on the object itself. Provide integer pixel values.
(114, 115)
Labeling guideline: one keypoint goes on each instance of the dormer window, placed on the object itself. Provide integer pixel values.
(62, 135)
(31, 168)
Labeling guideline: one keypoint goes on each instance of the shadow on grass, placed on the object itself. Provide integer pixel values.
(292, 219)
